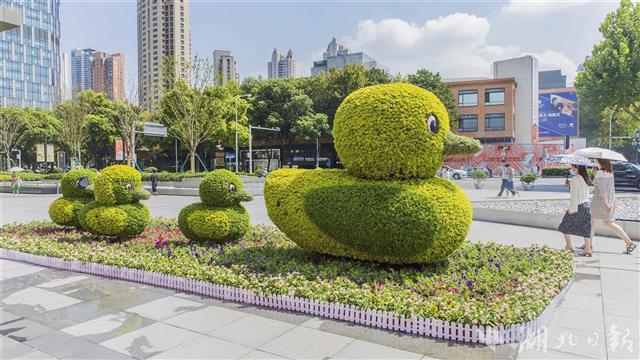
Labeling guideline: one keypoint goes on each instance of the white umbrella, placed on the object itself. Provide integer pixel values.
(600, 153)
(569, 159)
(15, 169)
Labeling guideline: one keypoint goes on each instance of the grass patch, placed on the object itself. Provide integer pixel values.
(484, 284)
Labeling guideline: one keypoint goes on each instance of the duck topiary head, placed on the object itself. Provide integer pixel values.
(76, 183)
(395, 131)
(119, 184)
(222, 188)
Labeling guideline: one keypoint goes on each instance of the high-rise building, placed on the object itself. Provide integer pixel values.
(64, 89)
(224, 67)
(163, 32)
(97, 72)
(114, 77)
(282, 66)
(29, 53)
(525, 71)
(337, 57)
(81, 70)
(108, 74)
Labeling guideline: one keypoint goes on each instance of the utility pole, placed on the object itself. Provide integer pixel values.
(238, 97)
(610, 117)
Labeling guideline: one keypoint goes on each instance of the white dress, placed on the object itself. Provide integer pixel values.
(603, 193)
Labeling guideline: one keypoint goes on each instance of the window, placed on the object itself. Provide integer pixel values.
(467, 98)
(494, 96)
(468, 123)
(494, 122)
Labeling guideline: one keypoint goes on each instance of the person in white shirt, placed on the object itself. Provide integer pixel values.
(577, 219)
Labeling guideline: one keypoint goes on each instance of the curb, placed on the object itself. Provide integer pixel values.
(488, 335)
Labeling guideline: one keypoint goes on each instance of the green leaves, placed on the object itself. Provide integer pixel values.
(433, 82)
(460, 145)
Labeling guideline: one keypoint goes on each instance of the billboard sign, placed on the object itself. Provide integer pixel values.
(558, 114)
(119, 150)
(40, 153)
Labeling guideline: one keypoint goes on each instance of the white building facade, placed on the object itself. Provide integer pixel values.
(225, 67)
(281, 66)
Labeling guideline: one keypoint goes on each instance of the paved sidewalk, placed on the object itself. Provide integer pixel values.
(49, 313)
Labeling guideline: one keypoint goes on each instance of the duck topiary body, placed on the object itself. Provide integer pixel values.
(219, 217)
(116, 210)
(387, 206)
(64, 211)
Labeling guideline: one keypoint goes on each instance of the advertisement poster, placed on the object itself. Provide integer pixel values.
(558, 114)
(40, 153)
(119, 150)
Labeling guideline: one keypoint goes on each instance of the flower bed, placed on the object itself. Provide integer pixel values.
(479, 284)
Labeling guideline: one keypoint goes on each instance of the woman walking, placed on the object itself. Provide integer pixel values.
(602, 204)
(16, 183)
(577, 219)
(510, 176)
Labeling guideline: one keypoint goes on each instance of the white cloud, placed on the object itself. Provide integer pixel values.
(454, 45)
(537, 7)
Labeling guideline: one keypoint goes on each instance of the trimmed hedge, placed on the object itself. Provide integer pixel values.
(116, 210)
(162, 176)
(65, 210)
(460, 145)
(391, 131)
(68, 183)
(125, 220)
(24, 175)
(219, 217)
(118, 184)
(222, 188)
(200, 222)
(556, 171)
(333, 212)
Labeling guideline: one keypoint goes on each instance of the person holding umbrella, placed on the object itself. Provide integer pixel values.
(577, 219)
(604, 194)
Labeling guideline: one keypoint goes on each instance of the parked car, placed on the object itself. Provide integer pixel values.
(456, 173)
(626, 174)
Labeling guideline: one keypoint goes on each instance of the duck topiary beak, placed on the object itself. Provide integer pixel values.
(460, 145)
(245, 196)
(142, 194)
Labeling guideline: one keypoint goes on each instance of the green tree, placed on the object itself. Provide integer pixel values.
(280, 103)
(101, 135)
(433, 82)
(43, 125)
(72, 131)
(189, 111)
(611, 75)
(13, 130)
(377, 76)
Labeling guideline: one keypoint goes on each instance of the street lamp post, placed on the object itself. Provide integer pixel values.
(238, 97)
(610, 118)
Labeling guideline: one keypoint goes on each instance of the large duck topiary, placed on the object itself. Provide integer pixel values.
(116, 211)
(387, 206)
(73, 185)
(219, 217)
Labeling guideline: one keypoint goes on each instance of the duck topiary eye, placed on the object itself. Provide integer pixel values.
(129, 186)
(232, 188)
(432, 124)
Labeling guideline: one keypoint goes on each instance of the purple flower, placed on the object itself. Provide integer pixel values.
(469, 283)
(498, 266)
(169, 253)
(211, 260)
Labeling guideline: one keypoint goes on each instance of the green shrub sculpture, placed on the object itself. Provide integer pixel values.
(219, 217)
(387, 206)
(73, 185)
(116, 211)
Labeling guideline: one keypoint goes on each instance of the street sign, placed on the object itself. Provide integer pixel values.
(154, 129)
(40, 153)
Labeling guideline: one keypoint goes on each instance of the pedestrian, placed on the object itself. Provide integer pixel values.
(577, 219)
(16, 183)
(154, 182)
(510, 175)
(503, 177)
(603, 203)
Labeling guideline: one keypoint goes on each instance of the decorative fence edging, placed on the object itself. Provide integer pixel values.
(488, 335)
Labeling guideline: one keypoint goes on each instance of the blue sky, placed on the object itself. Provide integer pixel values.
(456, 38)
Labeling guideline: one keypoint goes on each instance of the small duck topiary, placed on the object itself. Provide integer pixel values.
(116, 211)
(219, 217)
(387, 206)
(73, 185)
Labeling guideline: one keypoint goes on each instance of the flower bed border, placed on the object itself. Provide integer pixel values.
(488, 335)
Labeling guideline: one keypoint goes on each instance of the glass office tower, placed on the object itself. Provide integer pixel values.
(30, 55)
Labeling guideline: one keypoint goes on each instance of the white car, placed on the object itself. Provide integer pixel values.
(455, 173)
